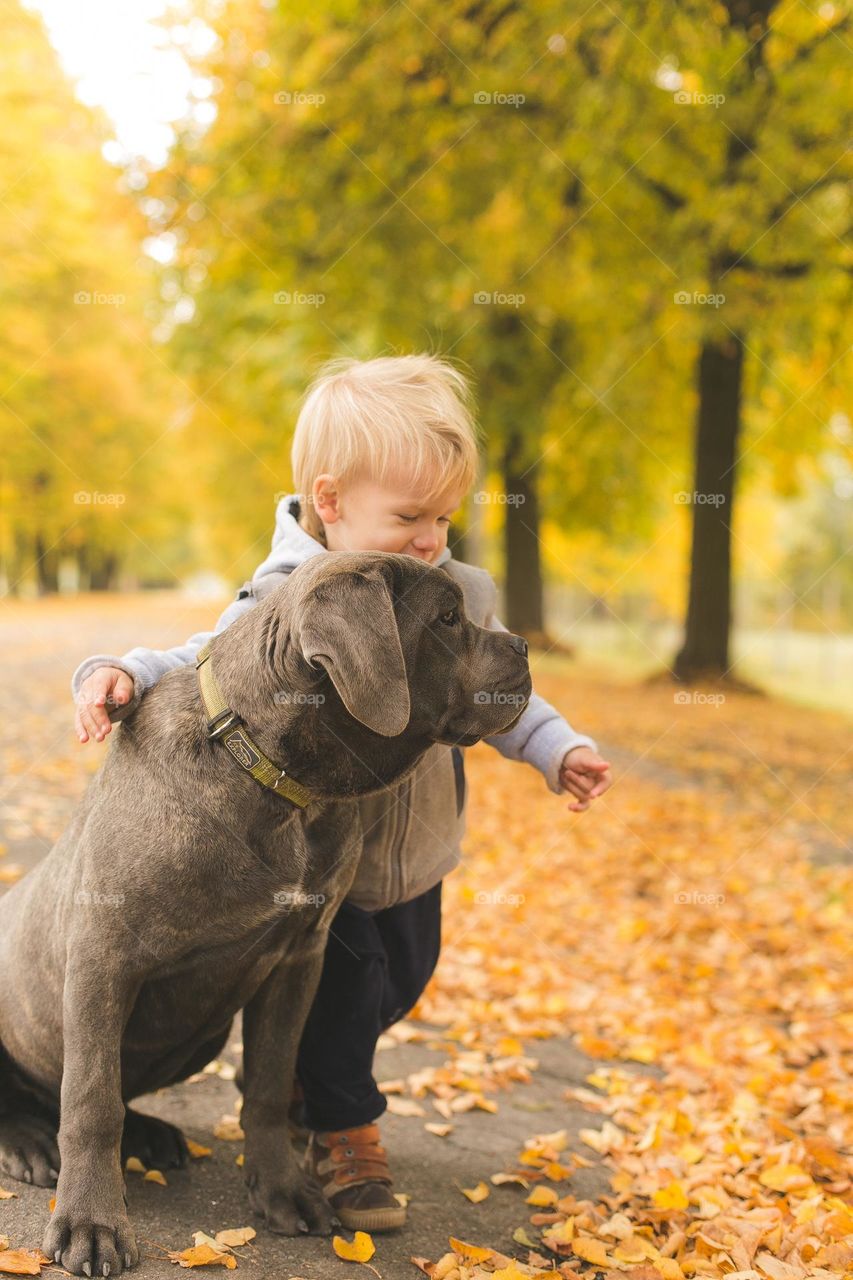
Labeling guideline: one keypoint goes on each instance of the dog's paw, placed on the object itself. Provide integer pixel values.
(28, 1150)
(158, 1144)
(86, 1247)
(292, 1207)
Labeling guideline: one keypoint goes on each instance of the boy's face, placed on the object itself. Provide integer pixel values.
(368, 516)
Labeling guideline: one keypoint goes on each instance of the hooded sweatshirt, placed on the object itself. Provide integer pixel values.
(412, 830)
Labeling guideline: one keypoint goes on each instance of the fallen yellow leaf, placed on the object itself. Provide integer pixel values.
(229, 1129)
(542, 1196)
(669, 1268)
(475, 1194)
(561, 1233)
(201, 1237)
(509, 1046)
(236, 1236)
(520, 1236)
(404, 1107)
(470, 1252)
(23, 1262)
(591, 1250)
(784, 1177)
(360, 1249)
(203, 1255)
(154, 1175)
(672, 1196)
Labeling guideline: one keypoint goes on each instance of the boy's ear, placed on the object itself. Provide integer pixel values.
(348, 627)
(325, 497)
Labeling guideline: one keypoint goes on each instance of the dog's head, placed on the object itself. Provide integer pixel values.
(377, 654)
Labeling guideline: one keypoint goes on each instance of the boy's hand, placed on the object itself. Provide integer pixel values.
(106, 686)
(585, 774)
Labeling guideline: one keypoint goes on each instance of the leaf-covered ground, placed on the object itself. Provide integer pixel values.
(697, 919)
(691, 933)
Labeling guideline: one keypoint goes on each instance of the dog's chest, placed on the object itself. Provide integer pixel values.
(196, 995)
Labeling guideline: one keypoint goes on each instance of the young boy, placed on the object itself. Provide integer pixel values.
(384, 452)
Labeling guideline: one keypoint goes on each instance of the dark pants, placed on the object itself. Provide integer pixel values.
(375, 967)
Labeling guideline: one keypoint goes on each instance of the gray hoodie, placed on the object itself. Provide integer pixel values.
(412, 830)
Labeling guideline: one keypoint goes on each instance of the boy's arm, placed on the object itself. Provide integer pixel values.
(542, 736)
(146, 666)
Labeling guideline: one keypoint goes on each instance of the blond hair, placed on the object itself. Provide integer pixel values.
(407, 417)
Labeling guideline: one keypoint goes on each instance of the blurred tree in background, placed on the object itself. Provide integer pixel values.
(620, 223)
(627, 247)
(82, 394)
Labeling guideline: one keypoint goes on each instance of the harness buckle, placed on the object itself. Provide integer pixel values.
(229, 719)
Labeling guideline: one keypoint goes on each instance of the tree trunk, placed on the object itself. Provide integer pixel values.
(524, 612)
(705, 651)
(457, 541)
(102, 572)
(47, 563)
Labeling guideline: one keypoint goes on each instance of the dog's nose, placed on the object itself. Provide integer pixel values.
(519, 644)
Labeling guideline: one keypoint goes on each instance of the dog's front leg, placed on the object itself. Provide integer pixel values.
(279, 1190)
(89, 1232)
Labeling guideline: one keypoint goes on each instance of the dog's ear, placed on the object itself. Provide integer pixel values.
(348, 627)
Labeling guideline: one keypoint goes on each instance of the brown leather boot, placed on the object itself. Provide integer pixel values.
(352, 1168)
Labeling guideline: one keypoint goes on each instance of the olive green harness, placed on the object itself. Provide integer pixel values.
(227, 725)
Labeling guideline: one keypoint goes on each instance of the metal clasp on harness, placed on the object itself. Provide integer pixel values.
(229, 719)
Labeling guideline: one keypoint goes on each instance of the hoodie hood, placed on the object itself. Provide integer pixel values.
(291, 544)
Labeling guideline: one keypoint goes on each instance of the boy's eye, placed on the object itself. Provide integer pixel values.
(450, 618)
(408, 519)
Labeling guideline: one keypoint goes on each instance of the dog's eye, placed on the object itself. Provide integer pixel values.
(450, 618)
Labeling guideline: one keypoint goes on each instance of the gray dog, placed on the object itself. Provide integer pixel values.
(184, 889)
